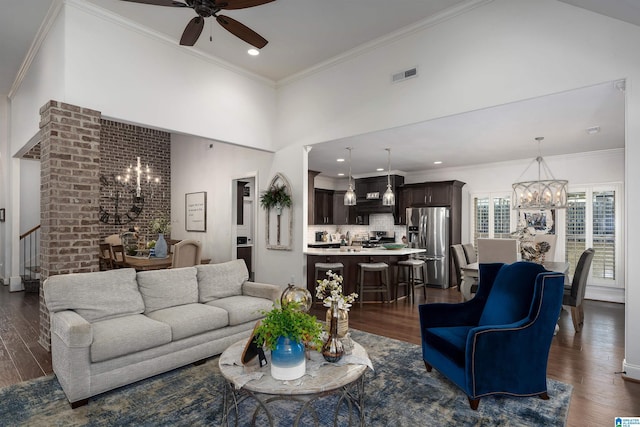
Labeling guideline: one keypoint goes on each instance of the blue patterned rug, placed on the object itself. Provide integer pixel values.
(399, 393)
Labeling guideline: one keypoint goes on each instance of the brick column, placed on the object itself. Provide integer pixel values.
(69, 195)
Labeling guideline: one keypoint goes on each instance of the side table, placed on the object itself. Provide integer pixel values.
(345, 381)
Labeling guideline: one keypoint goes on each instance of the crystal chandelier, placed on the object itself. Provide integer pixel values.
(388, 198)
(548, 193)
(350, 195)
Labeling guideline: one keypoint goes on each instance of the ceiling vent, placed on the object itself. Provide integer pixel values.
(404, 75)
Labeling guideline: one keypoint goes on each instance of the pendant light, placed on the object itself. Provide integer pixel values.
(549, 193)
(388, 198)
(350, 195)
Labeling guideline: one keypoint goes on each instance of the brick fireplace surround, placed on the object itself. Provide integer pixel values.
(76, 147)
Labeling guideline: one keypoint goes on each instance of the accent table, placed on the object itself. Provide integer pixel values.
(346, 380)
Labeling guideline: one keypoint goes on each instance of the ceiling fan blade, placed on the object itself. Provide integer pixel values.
(170, 3)
(242, 31)
(239, 4)
(192, 31)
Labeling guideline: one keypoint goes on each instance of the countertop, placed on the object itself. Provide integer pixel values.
(364, 251)
(246, 245)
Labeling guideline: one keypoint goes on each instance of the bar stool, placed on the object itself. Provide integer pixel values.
(411, 269)
(323, 267)
(383, 286)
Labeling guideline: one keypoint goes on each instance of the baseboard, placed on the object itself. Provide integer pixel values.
(631, 372)
(602, 293)
(15, 284)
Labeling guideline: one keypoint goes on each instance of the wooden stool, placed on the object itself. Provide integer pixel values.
(410, 269)
(374, 267)
(323, 267)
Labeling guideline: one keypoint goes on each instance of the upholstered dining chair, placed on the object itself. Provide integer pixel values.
(105, 258)
(186, 253)
(113, 239)
(459, 261)
(497, 342)
(551, 240)
(119, 256)
(497, 250)
(574, 294)
(470, 253)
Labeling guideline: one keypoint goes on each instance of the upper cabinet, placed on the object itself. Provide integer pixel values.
(323, 206)
(442, 193)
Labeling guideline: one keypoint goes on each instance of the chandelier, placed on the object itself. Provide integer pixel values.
(350, 195)
(388, 198)
(137, 171)
(547, 193)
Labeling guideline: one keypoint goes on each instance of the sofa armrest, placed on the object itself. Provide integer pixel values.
(71, 328)
(262, 290)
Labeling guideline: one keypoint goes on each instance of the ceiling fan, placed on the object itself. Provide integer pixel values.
(207, 8)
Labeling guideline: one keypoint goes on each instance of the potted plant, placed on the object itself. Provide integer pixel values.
(286, 330)
(162, 226)
(329, 291)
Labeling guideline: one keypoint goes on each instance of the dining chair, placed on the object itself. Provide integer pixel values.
(113, 239)
(105, 257)
(551, 240)
(497, 250)
(171, 243)
(574, 294)
(470, 253)
(119, 256)
(186, 253)
(459, 261)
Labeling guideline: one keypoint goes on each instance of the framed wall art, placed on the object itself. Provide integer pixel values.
(195, 205)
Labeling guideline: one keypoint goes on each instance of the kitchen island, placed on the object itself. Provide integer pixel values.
(350, 256)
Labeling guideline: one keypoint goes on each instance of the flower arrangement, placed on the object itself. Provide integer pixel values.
(160, 225)
(276, 196)
(291, 322)
(330, 290)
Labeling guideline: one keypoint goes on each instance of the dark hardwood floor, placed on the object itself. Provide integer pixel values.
(589, 360)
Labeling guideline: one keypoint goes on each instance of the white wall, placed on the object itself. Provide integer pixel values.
(197, 167)
(128, 74)
(30, 185)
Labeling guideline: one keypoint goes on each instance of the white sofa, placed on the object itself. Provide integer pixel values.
(113, 328)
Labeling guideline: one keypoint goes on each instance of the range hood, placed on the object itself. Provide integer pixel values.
(369, 193)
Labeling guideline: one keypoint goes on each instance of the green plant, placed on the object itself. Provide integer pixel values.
(275, 196)
(288, 321)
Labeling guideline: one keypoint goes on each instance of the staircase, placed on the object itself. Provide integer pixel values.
(29, 259)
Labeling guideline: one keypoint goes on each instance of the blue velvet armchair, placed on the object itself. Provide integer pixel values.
(497, 342)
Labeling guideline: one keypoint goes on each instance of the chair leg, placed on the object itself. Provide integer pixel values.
(473, 403)
(575, 317)
(426, 365)
(544, 396)
(580, 308)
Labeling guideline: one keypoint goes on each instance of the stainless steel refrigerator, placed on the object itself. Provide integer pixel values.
(428, 228)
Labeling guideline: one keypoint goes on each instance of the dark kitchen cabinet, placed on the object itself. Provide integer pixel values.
(244, 253)
(311, 175)
(426, 194)
(323, 206)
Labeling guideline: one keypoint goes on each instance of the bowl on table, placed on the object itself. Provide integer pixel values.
(394, 246)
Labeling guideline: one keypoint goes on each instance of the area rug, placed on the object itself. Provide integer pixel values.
(399, 392)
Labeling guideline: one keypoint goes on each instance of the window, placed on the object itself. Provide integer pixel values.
(491, 216)
(593, 218)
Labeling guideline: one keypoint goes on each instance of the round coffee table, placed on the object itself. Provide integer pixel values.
(346, 381)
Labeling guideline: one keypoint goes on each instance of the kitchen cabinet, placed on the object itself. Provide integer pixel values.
(426, 194)
(323, 206)
(345, 215)
(244, 253)
(311, 175)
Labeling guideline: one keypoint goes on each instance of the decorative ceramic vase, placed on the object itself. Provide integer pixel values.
(288, 360)
(343, 321)
(161, 247)
(332, 349)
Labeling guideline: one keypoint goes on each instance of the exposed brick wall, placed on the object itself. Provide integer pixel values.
(120, 144)
(76, 148)
(70, 162)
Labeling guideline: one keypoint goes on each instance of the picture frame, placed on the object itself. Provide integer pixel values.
(2, 215)
(195, 206)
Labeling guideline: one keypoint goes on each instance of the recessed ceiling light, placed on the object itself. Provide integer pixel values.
(380, 169)
(341, 174)
(253, 52)
(437, 162)
(339, 160)
(593, 130)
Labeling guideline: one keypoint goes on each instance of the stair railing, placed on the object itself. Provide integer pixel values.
(30, 250)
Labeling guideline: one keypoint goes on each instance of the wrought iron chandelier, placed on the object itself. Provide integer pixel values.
(547, 193)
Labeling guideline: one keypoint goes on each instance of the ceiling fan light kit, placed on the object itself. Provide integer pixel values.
(207, 8)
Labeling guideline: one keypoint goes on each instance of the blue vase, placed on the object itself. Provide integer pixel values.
(288, 360)
(161, 247)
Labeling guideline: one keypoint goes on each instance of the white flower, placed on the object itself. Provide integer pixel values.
(330, 290)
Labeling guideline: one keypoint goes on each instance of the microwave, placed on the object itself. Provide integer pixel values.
(242, 240)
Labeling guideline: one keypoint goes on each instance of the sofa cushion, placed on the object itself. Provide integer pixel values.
(451, 341)
(128, 334)
(95, 296)
(243, 308)
(191, 319)
(168, 288)
(221, 280)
